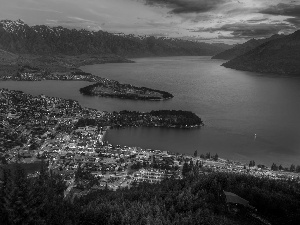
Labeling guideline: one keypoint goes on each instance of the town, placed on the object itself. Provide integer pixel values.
(70, 140)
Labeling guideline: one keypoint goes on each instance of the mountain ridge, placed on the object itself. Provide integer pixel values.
(279, 56)
(241, 49)
(18, 37)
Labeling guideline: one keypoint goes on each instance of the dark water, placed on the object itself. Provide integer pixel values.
(234, 105)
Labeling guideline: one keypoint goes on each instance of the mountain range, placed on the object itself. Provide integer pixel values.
(278, 56)
(58, 49)
(18, 37)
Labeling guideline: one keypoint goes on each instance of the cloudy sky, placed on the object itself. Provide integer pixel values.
(229, 21)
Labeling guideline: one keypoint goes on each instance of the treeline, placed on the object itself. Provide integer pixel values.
(207, 156)
(165, 95)
(161, 118)
(292, 168)
(33, 200)
(82, 122)
(187, 114)
(182, 117)
(196, 199)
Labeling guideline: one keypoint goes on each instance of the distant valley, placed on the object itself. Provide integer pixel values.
(58, 49)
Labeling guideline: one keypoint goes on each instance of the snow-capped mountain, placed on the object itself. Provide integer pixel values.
(18, 37)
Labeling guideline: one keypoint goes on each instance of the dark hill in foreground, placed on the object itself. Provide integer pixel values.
(196, 199)
(18, 37)
(241, 49)
(279, 56)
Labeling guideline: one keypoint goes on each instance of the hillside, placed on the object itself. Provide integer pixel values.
(196, 199)
(7, 57)
(241, 49)
(12, 64)
(18, 37)
(279, 56)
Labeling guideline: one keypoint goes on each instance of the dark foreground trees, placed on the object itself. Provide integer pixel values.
(196, 199)
(33, 200)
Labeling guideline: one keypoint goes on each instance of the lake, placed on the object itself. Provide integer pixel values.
(234, 105)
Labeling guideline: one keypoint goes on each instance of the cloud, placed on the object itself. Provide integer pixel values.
(294, 21)
(160, 34)
(256, 20)
(75, 22)
(246, 30)
(40, 10)
(80, 20)
(285, 10)
(282, 10)
(187, 6)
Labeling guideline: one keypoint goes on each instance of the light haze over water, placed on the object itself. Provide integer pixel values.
(234, 105)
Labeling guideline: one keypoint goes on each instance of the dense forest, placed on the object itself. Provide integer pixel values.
(161, 118)
(196, 199)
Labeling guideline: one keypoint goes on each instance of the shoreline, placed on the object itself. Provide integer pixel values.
(242, 157)
(241, 161)
(221, 164)
(89, 127)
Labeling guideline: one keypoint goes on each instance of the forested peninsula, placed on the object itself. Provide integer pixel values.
(115, 89)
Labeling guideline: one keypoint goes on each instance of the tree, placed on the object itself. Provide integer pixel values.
(185, 169)
(274, 167)
(16, 197)
(216, 157)
(298, 169)
(195, 153)
(191, 164)
(252, 163)
(280, 167)
(79, 173)
(3, 186)
(136, 166)
(261, 166)
(292, 168)
(3, 160)
(33, 146)
(207, 155)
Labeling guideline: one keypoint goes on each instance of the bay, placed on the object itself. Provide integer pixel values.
(234, 105)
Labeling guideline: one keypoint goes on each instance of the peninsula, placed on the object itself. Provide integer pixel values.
(103, 87)
(277, 56)
(114, 89)
(35, 53)
(25, 119)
